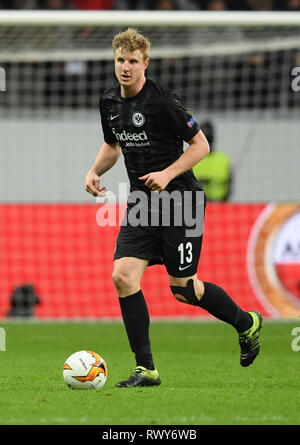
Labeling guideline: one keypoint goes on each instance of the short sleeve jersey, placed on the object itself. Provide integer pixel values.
(150, 128)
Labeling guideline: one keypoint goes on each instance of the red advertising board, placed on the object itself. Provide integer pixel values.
(62, 251)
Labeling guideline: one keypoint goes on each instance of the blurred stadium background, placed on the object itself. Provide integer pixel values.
(236, 69)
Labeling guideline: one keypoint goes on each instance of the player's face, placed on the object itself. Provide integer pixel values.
(130, 69)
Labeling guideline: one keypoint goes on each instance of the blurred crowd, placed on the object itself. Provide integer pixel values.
(74, 83)
(160, 5)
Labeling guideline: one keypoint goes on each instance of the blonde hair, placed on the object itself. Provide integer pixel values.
(132, 40)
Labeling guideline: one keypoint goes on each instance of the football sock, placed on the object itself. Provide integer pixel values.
(218, 303)
(137, 322)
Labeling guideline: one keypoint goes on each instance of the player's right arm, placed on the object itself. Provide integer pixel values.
(106, 158)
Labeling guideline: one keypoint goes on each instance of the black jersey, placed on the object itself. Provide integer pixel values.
(150, 128)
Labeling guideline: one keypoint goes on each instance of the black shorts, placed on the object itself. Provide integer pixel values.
(178, 247)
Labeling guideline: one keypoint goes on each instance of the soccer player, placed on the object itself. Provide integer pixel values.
(148, 124)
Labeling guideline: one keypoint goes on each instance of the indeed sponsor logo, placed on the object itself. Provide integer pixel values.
(124, 136)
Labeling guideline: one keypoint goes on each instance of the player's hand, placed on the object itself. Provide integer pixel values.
(92, 185)
(156, 181)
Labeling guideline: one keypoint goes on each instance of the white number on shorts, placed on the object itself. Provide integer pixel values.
(187, 248)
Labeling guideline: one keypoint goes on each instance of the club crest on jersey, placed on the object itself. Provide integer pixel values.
(138, 119)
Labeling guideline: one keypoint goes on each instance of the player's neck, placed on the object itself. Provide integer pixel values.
(132, 90)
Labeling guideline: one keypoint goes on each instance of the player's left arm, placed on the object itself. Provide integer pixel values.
(198, 148)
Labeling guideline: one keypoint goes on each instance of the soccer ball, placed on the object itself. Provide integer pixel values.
(85, 370)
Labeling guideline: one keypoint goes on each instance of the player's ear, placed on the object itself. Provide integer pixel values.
(146, 63)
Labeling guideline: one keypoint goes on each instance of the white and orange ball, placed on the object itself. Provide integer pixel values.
(85, 370)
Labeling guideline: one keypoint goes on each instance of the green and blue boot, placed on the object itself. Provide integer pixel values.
(141, 377)
(249, 340)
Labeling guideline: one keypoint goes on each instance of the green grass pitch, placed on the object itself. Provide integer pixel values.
(202, 380)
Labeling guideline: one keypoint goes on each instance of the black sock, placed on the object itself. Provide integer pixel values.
(218, 303)
(137, 322)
